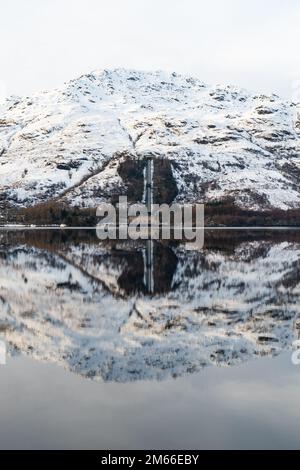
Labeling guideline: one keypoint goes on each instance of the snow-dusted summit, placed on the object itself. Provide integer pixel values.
(221, 141)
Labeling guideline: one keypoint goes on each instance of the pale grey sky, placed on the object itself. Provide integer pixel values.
(251, 43)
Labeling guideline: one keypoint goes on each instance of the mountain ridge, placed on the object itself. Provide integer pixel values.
(221, 141)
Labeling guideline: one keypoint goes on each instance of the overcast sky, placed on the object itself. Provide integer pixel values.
(251, 43)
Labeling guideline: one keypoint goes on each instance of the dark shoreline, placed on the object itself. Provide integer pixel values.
(223, 213)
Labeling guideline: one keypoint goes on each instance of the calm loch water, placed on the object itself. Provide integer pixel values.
(139, 344)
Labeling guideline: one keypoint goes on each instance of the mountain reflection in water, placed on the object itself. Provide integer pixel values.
(123, 311)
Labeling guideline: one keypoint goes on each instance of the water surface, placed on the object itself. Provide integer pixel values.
(131, 344)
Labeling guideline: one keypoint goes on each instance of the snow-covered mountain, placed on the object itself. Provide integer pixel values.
(66, 303)
(221, 140)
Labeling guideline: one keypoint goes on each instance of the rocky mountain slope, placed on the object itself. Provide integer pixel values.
(68, 303)
(68, 144)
